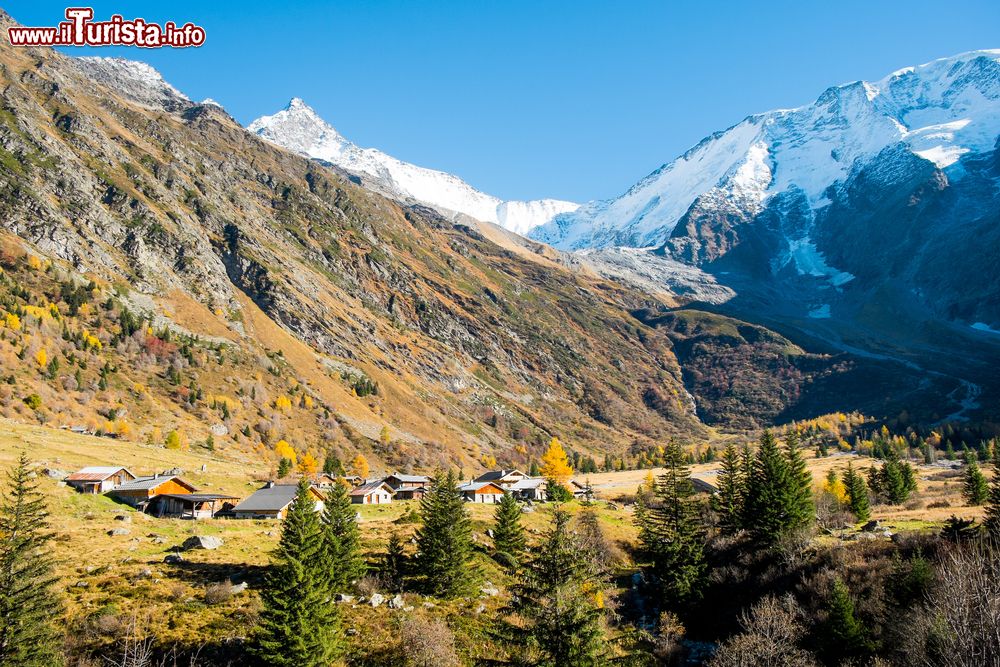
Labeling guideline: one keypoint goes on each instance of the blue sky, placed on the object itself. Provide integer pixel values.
(524, 99)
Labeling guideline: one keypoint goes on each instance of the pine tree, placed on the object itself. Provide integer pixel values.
(857, 493)
(508, 534)
(332, 465)
(444, 540)
(975, 490)
(992, 519)
(671, 534)
(802, 511)
(728, 502)
(769, 510)
(28, 602)
(394, 563)
(341, 540)
(554, 617)
(284, 467)
(299, 625)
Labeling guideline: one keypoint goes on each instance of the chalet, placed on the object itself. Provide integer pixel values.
(400, 482)
(273, 501)
(190, 505)
(580, 491)
(502, 478)
(701, 486)
(530, 488)
(411, 493)
(482, 492)
(372, 493)
(99, 479)
(139, 491)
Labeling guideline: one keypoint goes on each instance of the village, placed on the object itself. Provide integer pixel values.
(168, 495)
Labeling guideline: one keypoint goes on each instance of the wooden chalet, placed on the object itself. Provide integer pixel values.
(139, 491)
(411, 493)
(372, 493)
(400, 482)
(99, 479)
(190, 505)
(482, 492)
(534, 489)
(502, 478)
(273, 501)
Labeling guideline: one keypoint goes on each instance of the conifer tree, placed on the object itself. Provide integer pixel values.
(554, 617)
(508, 534)
(844, 634)
(341, 540)
(857, 493)
(801, 510)
(728, 502)
(394, 563)
(29, 605)
(992, 520)
(299, 625)
(284, 467)
(768, 512)
(975, 490)
(671, 535)
(444, 540)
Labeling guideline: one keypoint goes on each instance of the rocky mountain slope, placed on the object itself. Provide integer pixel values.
(298, 128)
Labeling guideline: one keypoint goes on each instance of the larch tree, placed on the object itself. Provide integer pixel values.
(555, 463)
(508, 533)
(671, 535)
(444, 539)
(341, 540)
(29, 604)
(299, 625)
(359, 466)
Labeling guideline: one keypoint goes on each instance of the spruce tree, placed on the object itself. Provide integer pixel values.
(802, 511)
(728, 502)
(554, 617)
(975, 490)
(299, 625)
(768, 510)
(444, 540)
(284, 467)
(672, 537)
(394, 563)
(29, 604)
(341, 540)
(508, 534)
(857, 494)
(992, 520)
(844, 635)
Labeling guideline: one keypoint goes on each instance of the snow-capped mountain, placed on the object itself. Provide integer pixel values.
(298, 128)
(136, 80)
(939, 111)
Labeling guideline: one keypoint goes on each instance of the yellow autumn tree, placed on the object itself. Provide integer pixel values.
(835, 487)
(555, 463)
(41, 357)
(309, 465)
(385, 437)
(12, 321)
(283, 403)
(359, 466)
(285, 451)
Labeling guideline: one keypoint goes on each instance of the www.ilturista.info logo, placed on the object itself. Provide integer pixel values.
(80, 30)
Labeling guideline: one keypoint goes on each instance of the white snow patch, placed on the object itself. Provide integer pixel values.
(821, 312)
(982, 326)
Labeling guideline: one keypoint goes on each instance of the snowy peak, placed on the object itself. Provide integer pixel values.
(135, 80)
(939, 111)
(299, 128)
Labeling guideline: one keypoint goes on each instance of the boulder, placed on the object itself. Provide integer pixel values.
(343, 597)
(173, 558)
(376, 600)
(871, 526)
(489, 590)
(119, 531)
(202, 542)
(238, 588)
(396, 602)
(127, 518)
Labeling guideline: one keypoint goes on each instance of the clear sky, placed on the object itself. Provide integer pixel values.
(540, 98)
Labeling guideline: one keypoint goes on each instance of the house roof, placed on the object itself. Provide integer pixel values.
(95, 473)
(272, 498)
(527, 484)
(370, 487)
(416, 479)
(496, 475)
(148, 483)
(476, 487)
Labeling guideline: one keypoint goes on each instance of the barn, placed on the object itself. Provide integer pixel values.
(99, 479)
(139, 491)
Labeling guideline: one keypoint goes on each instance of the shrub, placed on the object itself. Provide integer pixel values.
(33, 401)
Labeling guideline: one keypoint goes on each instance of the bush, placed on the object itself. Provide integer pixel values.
(33, 401)
(218, 593)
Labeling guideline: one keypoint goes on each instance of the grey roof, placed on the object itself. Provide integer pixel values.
(269, 499)
(417, 479)
(96, 473)
(147, 483)
(496, 475)
(527, 483)
(474, 486)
